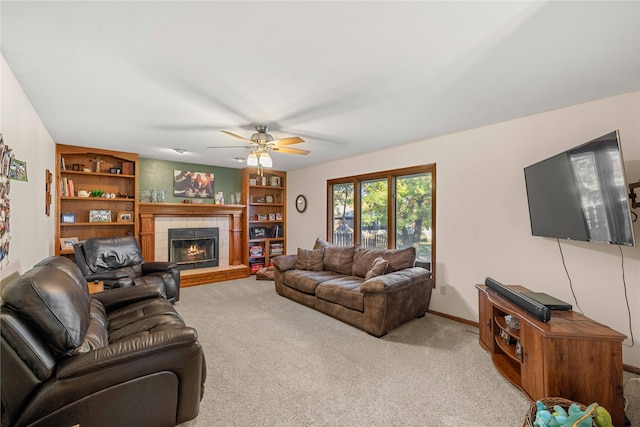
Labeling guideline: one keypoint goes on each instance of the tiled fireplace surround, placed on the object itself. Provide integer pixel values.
(163, 224)
(157, 218)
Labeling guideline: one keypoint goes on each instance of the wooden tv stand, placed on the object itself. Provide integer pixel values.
(570, 356)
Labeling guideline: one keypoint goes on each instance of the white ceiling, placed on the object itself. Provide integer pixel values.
(348, 77)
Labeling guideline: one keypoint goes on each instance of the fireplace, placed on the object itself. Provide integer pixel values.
(193, 247)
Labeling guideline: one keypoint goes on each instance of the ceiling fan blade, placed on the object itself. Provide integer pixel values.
(238, 136)
(232, 146)
(288, 141)
(291, 150)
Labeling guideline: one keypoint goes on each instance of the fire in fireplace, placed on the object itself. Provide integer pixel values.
(193, 247)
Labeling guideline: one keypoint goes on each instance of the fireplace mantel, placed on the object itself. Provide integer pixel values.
(149, 211)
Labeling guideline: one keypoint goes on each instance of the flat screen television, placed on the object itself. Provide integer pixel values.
(581, 194)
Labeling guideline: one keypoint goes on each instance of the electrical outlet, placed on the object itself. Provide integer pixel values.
(443, 290)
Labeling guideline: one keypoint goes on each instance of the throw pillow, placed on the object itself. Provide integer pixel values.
(378, 268)
(339, 259)
(321, 243)
(309, 259)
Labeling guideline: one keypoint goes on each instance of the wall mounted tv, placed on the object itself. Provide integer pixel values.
(581, 194)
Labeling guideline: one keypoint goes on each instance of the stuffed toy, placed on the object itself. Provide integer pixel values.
(575, 417)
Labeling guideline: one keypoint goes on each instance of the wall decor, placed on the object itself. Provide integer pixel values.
(48, 179)
(17, 170)
(193, 184)
(6, 156)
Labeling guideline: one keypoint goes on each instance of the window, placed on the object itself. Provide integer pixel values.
(390, 209)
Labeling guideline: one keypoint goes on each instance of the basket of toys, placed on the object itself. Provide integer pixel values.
(557, 411)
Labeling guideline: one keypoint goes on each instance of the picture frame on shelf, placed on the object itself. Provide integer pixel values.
(114, 170)
(99, 215)
(278, 216)
(252, 181)
(260, 199)
(274, 181)
(262, 217)
(258, 232)
(67, 242)
(268, 198)
(125, 216)
(272, 217)
(67, 218)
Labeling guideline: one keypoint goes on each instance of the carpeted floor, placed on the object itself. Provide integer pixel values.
(273, 362)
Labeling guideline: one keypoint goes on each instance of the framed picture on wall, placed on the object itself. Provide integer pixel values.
(197, 185)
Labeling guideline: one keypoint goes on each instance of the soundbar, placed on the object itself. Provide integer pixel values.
(540, 311)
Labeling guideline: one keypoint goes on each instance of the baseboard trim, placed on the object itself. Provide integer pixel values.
(632, 369)
(454, 318)
(628, 368)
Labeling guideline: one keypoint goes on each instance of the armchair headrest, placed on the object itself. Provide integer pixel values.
(105, 253)
(53, 304)
(71, 268)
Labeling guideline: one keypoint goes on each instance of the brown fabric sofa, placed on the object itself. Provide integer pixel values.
(375, 290)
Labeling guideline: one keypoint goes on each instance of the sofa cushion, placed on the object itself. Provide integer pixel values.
(51, 301)
(309, 259)
(339, 259)
(343, 290)
(378, 268)
(307, 281)
(398, 259)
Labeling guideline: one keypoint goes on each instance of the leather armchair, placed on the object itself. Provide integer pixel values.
(118, 263)
(123, 357)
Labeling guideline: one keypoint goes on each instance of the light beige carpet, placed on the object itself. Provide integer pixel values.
(273, 362)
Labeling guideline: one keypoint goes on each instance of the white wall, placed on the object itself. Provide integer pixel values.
(31, 230)
(482, 213)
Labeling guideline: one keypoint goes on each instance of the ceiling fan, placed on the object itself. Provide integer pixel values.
(261, 143)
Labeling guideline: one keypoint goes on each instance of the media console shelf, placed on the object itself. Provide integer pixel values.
(570, 356)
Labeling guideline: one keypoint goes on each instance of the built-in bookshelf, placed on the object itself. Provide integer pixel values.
(264, 194)
(96, 193)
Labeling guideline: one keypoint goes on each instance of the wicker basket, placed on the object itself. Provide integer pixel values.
(549, 402)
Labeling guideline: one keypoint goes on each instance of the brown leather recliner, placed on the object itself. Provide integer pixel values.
(123, 357)
(118, 263)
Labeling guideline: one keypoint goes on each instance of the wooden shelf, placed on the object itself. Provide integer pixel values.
(111, 175)
(96, 224)
(251, 193)
(97, 199)
(67, 201)
(556, 356)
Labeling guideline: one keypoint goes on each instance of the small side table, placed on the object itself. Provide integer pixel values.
(96, 286)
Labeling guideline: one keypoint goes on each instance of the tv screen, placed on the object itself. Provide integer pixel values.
(581, 194)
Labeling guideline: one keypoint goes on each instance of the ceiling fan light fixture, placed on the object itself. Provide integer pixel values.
(265, 160)
(252, 159)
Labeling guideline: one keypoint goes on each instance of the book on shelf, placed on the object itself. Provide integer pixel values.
(276, 248)
(255, 251)
(256, 266)
(276, 231)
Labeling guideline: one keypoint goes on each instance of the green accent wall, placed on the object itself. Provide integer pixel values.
(158, 175)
